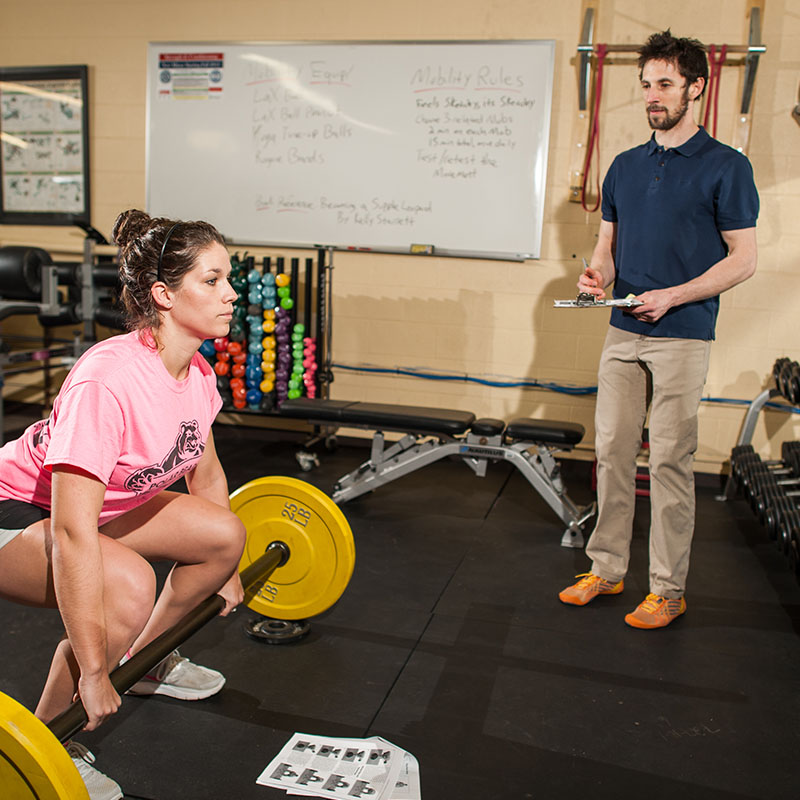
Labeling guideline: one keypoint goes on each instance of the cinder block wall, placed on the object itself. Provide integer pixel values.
(486, 319)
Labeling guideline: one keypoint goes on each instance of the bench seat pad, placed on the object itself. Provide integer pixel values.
(564, 434)
(380, 416)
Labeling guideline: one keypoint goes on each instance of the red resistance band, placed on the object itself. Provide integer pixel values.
(715, 70)
(594, 137)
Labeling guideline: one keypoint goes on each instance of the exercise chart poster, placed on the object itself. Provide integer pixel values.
(43, 146)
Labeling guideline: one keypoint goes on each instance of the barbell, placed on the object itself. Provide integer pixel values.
(296, 563)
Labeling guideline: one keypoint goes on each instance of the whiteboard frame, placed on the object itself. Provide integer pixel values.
(537, 222)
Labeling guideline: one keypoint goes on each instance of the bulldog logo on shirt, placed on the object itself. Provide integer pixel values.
(187, 449)
(41, 432)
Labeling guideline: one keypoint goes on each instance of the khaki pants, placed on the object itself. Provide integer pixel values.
(677, 368)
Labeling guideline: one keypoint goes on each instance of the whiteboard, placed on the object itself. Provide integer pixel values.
(397, 147)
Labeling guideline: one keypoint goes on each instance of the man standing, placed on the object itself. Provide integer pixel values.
(677, 229)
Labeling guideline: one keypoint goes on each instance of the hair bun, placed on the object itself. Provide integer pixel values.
(130, 225)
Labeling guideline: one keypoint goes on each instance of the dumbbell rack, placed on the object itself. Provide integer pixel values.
(786, 374)
(89, 287)
(771, 487)
(279, 300)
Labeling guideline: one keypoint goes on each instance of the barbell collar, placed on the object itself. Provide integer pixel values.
(256, 574)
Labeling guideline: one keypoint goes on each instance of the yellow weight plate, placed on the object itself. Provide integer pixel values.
(33, 764)
(319, 539)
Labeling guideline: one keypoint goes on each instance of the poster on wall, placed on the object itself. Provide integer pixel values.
(44, 146)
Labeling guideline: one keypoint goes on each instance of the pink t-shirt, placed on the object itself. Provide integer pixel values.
(121, 417)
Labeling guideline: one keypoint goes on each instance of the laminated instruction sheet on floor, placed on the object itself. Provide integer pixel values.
(326, 766)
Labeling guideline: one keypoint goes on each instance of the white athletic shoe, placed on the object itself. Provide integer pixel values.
(178, 677)
(99, 786)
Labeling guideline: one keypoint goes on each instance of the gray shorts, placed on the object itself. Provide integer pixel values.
(15, 516)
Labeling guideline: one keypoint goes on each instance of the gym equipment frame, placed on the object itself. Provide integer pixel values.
(432, 434)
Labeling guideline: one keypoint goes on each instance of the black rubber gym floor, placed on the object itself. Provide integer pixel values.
(451, 643)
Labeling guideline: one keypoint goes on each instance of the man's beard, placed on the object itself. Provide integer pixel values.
(669, 121)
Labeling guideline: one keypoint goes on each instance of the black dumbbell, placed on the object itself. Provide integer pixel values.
(777, 368)
(765, 486)
(773, 509)
(790, 454)
(767, 497)
(739, 452)
(753, 473)
(771, 488)
(794, 383)
(784, 518)
(787, 379)
(775, 499)
(794, 553)
(741, 456)
(758, 476)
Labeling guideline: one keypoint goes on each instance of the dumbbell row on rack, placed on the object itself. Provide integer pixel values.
(765, 483)
(759, 479)
(750, 471)
(771, 488)
(787, 379)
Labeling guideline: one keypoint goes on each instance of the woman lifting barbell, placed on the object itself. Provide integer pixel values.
(84, 504)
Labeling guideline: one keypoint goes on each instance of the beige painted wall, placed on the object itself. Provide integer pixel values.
(481, 318)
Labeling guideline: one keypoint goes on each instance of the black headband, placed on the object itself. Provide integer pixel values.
(163, 250)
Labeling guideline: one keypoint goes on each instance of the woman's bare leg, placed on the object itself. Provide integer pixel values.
(129, 591)
(203, 538)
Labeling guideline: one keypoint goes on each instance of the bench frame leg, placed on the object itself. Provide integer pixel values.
(746, 436)
(412, 452)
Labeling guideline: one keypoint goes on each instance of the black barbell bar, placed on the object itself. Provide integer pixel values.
(253, 577)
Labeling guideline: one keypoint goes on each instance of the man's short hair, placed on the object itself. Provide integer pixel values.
(688, 55)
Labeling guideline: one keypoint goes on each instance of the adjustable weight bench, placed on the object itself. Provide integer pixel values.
(435, 433)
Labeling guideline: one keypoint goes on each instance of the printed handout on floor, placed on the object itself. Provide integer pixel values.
(326, 766)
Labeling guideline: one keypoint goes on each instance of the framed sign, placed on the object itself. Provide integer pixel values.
(44, 146)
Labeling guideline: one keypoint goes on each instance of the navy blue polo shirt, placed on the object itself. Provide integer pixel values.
(669, 207)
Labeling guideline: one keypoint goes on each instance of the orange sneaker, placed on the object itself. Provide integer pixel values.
(656, 612)
(587, 588)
